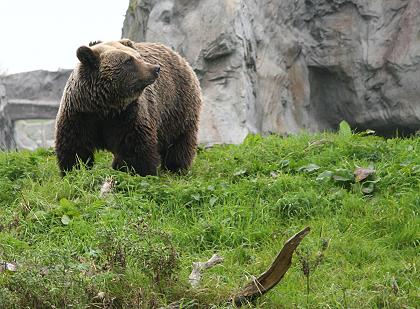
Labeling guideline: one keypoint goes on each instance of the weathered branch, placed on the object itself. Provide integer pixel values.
(195, 275)
(107, 186)
(270, 278)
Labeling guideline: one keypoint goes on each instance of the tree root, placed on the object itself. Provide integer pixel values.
(270, 278)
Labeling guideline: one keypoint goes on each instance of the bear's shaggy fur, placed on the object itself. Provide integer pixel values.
(141, 101)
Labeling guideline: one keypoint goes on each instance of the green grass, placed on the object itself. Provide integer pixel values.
(134, 248)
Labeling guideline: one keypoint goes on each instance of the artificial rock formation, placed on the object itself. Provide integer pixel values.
(264, 66)
(28, 106)
(6, 140)
(282, 66)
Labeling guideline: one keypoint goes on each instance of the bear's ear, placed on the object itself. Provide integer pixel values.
(128, 43)
(87, 56)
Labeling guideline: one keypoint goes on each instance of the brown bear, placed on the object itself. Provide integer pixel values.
(141, 101)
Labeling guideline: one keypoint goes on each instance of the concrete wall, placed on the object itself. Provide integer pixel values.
(28, 105)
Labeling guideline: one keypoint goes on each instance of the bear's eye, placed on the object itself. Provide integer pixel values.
(128, 60)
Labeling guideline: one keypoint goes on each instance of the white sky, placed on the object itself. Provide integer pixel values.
(44, 34)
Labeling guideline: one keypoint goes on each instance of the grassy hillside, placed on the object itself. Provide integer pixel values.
(134, 247)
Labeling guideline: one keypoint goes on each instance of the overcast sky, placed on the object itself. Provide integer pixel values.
(44, 34)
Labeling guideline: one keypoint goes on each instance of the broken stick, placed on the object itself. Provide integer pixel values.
(269, 279)
(195, 275)
(107, 186)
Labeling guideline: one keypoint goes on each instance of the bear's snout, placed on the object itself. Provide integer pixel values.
(156, 71)
(148, 72)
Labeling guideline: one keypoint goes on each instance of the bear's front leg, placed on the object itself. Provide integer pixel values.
(138, 151)
(73, 144)
(68, 159)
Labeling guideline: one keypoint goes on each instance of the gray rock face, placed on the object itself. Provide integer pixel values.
(34, 133)
(6, 138)
(282, 66)
(36, 85)
(28, 106)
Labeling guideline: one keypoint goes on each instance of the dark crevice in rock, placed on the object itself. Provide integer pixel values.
(389, 130)
(332, 96)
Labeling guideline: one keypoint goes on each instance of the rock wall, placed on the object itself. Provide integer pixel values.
(35, 86)
(28, 106)
(282, 66)
(6, 137)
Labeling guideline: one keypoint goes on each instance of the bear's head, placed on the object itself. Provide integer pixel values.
(114, 73)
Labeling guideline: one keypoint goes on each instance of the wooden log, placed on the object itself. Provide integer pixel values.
(270, 278)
